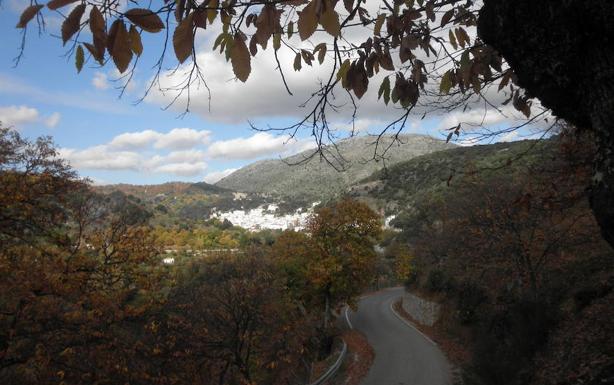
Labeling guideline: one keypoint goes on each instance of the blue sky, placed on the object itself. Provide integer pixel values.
(114, 140)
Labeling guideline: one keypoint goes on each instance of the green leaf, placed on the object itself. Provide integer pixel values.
(290, 29)
(211, 11)
(343, 69)
(384, 90)
(79, 58)
(446, 83)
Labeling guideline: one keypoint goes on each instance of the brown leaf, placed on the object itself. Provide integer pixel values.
(452, 39)
(200, 19)
(378, 24)
(267, 23)
(95, 53)
(98, 28)
(307, 57)
(146, 19)
(179, 8)
(307, 21)
(408, 44)
(385, 61)
(28, 14)
(135, 41)
(321, 49)
(330, 21)
(360, 81)
(111, 35)
(240, 58)
(349, 5)
(253, 45)
(445, 19)
(430, 10)
(297, 62)
(183, 39)
(71, 24)
(122, 52)
(55, 4)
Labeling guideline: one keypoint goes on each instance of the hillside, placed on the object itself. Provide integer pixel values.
(503, 237)
(177, 202)
(315, 179)
(397, 188)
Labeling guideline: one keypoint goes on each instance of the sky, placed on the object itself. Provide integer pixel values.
(113, 139)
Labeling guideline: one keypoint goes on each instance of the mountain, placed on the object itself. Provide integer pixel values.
(178, 202)
(396, 189)
(147, 192)
(304, 180)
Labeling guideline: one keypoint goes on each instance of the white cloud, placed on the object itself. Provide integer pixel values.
(102, 158)
(146, 152)
(176, 139)
(182, 169)
(53, 120)
(264, 94)
(18, 116)
(134, 140)
(215, 176)
(478, 117)
(189, 156)
(105, 157)
(252, 147)
(100, 81)
(183, 138)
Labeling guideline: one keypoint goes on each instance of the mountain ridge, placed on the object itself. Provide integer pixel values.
(307, 179)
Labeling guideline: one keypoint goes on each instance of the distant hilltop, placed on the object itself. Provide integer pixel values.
(315, 179)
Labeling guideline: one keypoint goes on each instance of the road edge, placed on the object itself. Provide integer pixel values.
(334, 367)
(406, 322)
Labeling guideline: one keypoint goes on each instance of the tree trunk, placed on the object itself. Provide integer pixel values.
(601, 101)
(563, 53)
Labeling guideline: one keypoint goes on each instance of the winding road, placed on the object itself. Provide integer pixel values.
(403, 356)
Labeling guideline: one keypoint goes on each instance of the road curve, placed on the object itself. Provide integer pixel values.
(403, 356)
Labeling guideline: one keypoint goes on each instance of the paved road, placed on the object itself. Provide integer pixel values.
(402, 355)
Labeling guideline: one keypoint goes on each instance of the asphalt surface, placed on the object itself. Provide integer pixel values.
(403, 356)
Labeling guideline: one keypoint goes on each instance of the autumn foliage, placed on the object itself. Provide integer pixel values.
(86, 298)
(335, 261)
(515, 255)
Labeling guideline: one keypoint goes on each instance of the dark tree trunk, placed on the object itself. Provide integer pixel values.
(563, 53)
